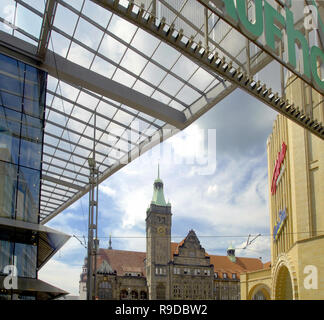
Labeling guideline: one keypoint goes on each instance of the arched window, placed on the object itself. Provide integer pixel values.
(123, 295)
(105, 291)
(143, 295)
(134, 295)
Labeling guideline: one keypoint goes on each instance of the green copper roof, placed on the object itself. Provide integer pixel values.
(158, 194)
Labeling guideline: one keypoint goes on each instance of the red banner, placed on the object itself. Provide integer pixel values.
(276, 173)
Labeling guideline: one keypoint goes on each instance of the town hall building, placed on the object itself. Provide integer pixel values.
(167, 270)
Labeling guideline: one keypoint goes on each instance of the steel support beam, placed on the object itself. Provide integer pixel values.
(70, 72)
(144, 146)
(224, 68)
(46, 28)
(62, 182)
(221, 15)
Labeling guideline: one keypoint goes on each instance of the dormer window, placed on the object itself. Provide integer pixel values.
(224, 275)
(234, 276)
(216, 275)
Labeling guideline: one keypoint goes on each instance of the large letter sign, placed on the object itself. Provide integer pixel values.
(273, 25)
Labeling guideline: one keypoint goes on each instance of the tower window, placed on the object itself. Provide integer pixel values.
(176, 270)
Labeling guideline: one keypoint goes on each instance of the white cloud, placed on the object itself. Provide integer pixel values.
(233, 201)
(260, 247)
(62, 275)
(107, 190)
(188, 144)
(212, 189)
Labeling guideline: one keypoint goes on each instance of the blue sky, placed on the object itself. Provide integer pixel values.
(223, 206)
(223, 196)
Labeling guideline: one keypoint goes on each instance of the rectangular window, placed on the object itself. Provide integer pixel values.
(224, 275)
(234, 276)
(8, 189)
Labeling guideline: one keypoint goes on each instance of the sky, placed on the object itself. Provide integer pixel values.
(223, 198)
(214, 172)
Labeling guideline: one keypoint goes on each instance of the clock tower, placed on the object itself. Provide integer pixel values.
(158, 243)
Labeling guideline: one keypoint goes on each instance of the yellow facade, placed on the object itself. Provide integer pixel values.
(296, 200)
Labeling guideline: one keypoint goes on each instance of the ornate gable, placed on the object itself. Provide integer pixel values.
(192, 241)
(190, 247)
(105, 268)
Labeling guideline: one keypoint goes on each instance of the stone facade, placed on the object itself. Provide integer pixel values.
(297, 245)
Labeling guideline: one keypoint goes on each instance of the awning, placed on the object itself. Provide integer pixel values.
(50, 240)
(42, 290)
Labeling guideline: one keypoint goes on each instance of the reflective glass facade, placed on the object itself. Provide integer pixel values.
(22, 104)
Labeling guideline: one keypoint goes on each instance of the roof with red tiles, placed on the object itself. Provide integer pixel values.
(124, 262)
(222, 264)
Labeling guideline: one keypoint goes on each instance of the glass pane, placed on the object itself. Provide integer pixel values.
(11, 89)
(11, 100)
(11, 82)
(9, 135)
(28, 21)
(34, 94)
(28, 195)
(30, 155)
(12, 67)
(31, 142)
(8, 189)
(26, 256)
(6, 255)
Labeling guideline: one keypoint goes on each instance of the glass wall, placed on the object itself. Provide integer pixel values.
(22, 104)
(22, 101)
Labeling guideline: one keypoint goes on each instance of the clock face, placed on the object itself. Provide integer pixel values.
(161, 230)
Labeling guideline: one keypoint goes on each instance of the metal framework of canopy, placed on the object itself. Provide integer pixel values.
(142, 76)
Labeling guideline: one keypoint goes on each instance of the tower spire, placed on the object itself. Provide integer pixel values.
(110, 247)
(158, 195)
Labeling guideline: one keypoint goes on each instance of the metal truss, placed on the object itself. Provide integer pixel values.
(215, 62)
(162, 95)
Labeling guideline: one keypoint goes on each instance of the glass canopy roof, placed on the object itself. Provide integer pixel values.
(143, 68)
